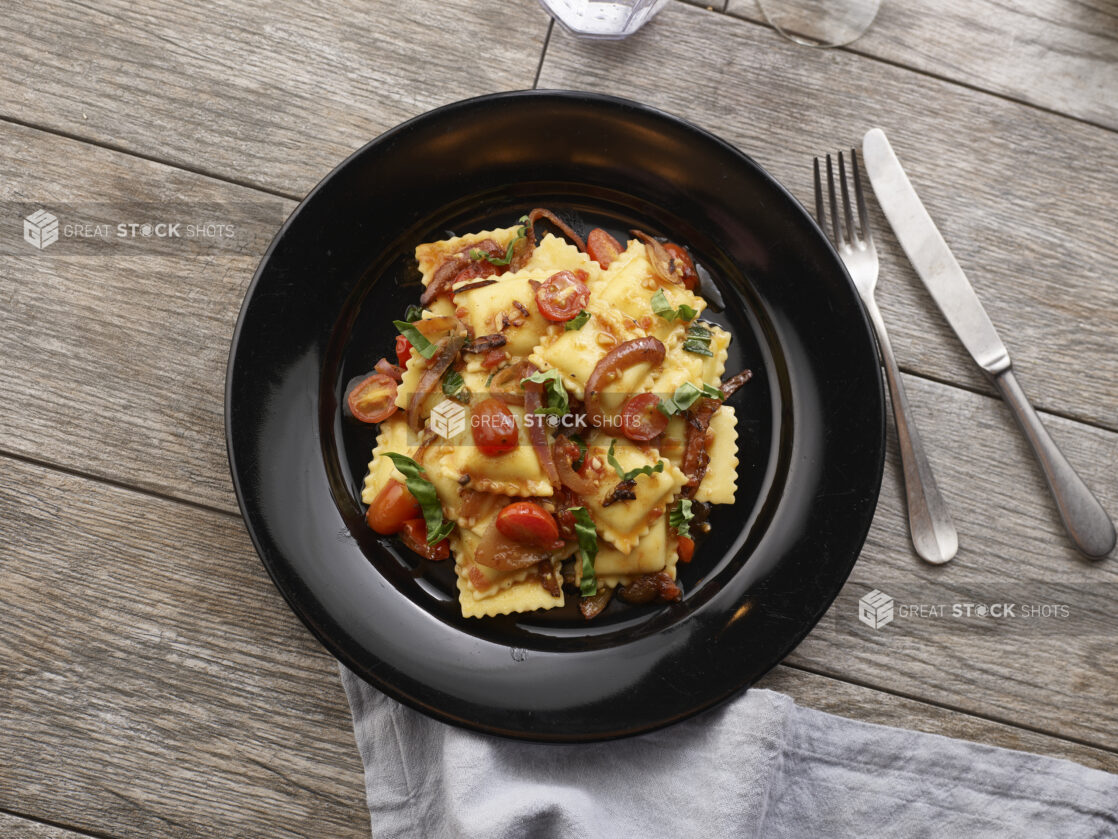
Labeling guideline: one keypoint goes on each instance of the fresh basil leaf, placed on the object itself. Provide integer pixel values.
(698, 340)
(455, 387)
(632, 473)
(577, 322)
(587, 550)
(424, 492)
(680, 517)
(441, 533)
(686, 312)
(684, 397)
(578, 441)
(662, 307)
(413, 313)
(556, 401)
(477, 254)
(697, 348)
(422, 346)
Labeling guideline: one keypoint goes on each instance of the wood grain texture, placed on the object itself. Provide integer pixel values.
(1057, 54)
(157, 686)
(13, 827)
(60, 322)
(263, 93)
(1056, 674)
(844, 699)
(1024, 198)
(155, 683)
(112, 355)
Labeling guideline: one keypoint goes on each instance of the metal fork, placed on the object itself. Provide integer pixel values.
(933, 532)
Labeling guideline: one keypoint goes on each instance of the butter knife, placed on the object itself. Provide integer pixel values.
(1088, 524)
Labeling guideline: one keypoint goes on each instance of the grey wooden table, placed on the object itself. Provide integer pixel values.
(152, 681)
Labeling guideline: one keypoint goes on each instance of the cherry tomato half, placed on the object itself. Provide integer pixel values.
(477, 270)
(684, 265)
(374, 399)
(393, 506)
(563, 295)
(686, 549)
(602, 247)
(493, 427)
(641, 420)
(414, 535)
(494, 357)
(403, 350)
(529, 524)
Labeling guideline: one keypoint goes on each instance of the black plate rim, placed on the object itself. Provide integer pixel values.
(289, 587)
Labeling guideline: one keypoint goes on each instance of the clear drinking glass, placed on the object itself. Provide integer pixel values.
(820, 23)
(611, 19)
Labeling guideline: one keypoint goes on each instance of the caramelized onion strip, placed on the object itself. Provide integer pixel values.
(646, 350)
(447, 352)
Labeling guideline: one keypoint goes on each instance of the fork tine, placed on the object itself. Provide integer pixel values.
(818, 195)
(847, 213)
(834, 203)
(863, 215)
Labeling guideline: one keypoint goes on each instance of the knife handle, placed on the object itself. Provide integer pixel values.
(1086, 521)
(933, 532)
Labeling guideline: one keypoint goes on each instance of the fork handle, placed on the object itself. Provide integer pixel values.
(1086, 521)
(933, 531)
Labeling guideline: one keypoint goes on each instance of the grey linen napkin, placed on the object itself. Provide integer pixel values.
(758, 765)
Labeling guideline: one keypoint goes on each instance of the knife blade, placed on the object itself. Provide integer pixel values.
(1088, 524)
(930, 256)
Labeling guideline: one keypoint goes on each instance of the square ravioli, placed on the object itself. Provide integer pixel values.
(623, 523)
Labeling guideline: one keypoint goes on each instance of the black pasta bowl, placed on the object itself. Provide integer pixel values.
(811, 422)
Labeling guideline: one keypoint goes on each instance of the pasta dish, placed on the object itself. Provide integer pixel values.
(554, 419)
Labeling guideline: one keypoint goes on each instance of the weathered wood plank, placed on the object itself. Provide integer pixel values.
(112, 354)
(155, 683)
(1058, 54)
(61, 325)
(1025, 198)
(261, 94)
(1056, 673)
(13, 827)
(848, 700)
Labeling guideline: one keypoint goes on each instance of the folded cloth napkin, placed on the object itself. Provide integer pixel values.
(756, 766)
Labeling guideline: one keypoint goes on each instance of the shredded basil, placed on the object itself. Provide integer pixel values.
(477, 254)
(698, 340)
(455, 387)
(422, 346)
(664, 309)
(424, 492)
(577, 322)
(685, 396)
(413, 313)
(556, 401)
(587, 550)
(680, 517)
(578, 441)
(632, 473)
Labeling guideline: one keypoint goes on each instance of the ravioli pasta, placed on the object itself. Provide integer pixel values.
(555, 412)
